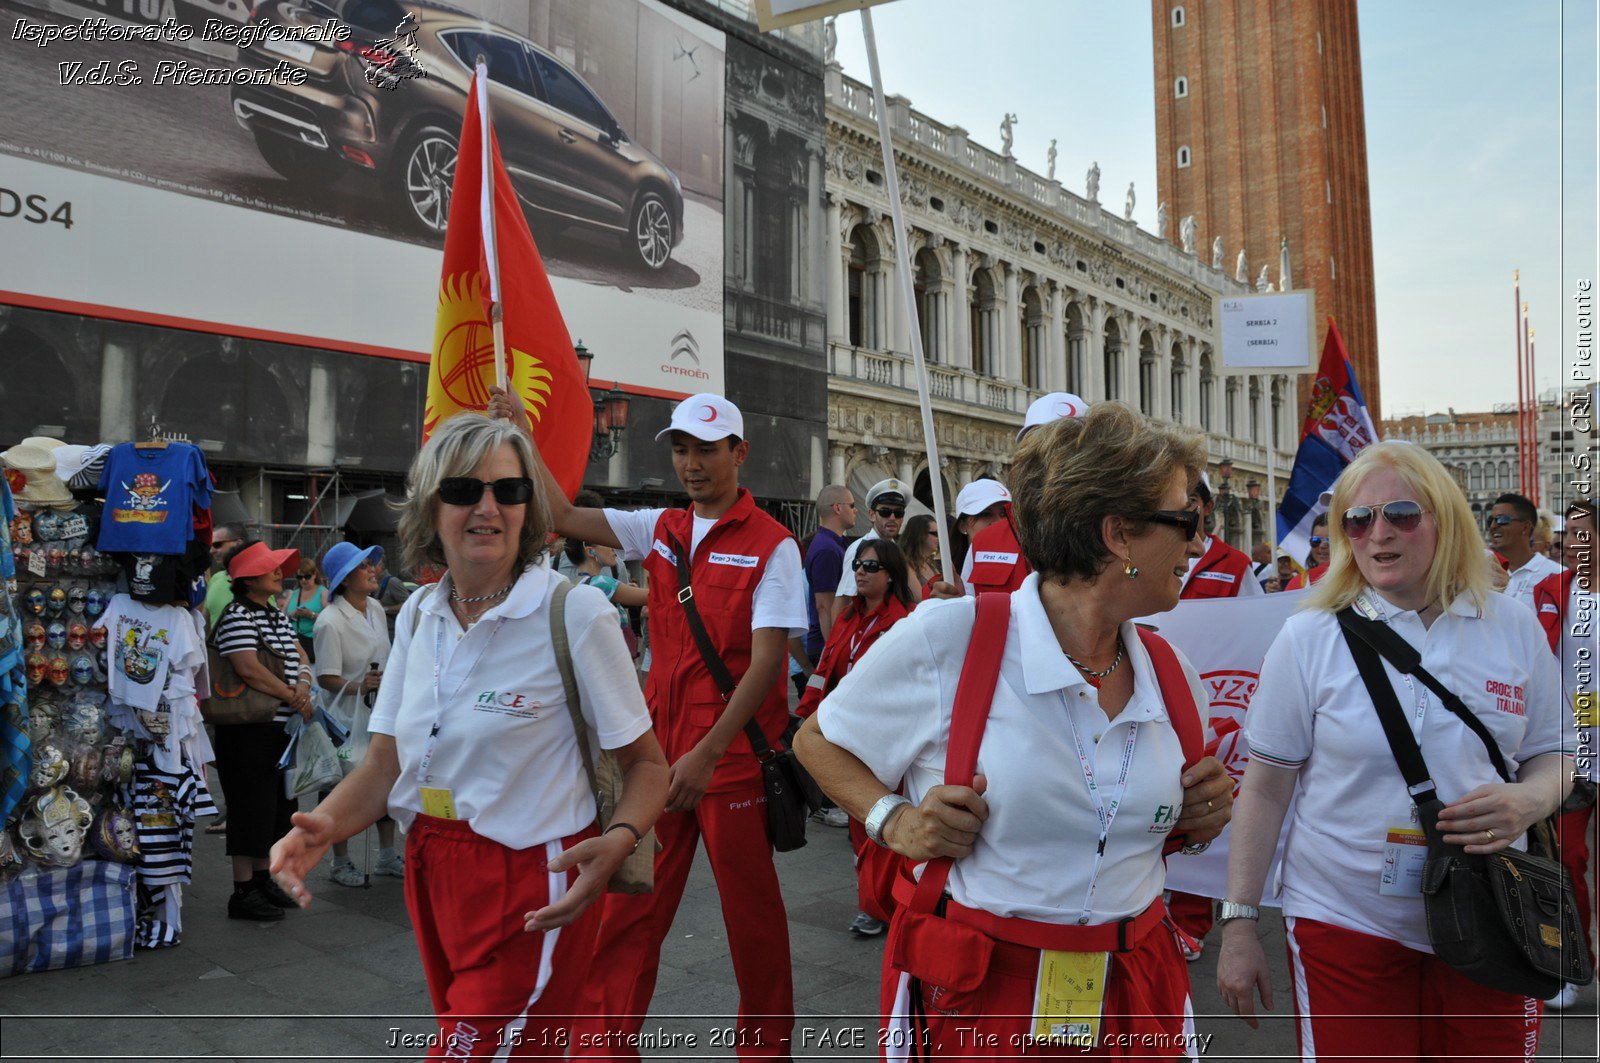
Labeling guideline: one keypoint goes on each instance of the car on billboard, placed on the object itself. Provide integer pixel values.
(389, 99)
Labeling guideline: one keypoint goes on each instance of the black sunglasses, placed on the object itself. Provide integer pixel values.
(886, 512)
(1403, 515)
(869, 565)
(467, 490)
(1185, 520)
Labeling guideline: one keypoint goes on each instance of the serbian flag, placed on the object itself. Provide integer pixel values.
(487, 238)
(1336, 429)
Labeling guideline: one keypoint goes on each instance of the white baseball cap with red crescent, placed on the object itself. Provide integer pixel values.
(979, 495)
(1052, 407)
(706, 416)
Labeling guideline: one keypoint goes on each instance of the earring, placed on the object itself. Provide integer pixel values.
(1129, 569)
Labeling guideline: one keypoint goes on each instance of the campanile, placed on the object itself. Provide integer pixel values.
(1261, 135)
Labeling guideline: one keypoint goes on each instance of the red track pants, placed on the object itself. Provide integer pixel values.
(1573, 830)
(499, 991)
(628, 950)
(1148, 1014)
(1356, 996)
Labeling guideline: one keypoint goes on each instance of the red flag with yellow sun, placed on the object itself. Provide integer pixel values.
(487, 239)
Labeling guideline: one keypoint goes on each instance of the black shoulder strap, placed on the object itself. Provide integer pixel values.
(708, 650)
(1402, 743)
(1408, 661)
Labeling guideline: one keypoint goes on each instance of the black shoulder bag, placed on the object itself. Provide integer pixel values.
(781, 774)
(1507, 920)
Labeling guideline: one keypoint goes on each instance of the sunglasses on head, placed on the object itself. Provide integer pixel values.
(890, 511)
(1185, 520)
(467, 490)
(867, 565)
(1502, 519)
(1403, 515)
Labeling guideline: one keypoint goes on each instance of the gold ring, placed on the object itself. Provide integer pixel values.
(1490, 832)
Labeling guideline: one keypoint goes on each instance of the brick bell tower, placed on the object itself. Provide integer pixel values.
(1261, 135)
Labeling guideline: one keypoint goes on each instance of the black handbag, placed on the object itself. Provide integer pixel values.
(781, 773)
(1507, 920)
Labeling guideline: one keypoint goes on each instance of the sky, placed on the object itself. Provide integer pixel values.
(1480, 151)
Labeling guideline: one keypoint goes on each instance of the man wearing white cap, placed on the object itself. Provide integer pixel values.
(1222, 571)
(886, 509)
(744, 584)
(1051, 407)
(994, 560)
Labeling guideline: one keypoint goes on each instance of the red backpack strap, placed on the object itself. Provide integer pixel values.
(974, 695)
(1184, 715)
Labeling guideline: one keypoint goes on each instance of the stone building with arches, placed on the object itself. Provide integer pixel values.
(1021, 287)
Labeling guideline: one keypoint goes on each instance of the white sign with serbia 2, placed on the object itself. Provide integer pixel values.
(1271, 332)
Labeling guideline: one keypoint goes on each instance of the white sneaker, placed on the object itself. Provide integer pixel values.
(1190, 955)
(393, 866)
(345, 874)
(832, 817)
(866, 926)
(1564, 999)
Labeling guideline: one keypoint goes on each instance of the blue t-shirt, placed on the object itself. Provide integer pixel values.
(824, 565)
(150, 498)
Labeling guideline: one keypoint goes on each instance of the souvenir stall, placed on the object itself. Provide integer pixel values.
(102, 652)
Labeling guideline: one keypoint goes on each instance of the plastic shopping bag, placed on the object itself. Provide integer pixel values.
(313, 762)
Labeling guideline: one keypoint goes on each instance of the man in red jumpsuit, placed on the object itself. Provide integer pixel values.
(748, 590)
(1222, 571)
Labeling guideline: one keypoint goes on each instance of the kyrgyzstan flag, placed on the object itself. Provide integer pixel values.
(487, 240)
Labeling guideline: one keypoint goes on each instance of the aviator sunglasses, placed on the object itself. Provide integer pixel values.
(1403, 515)
(466, 490)
(1185, 520)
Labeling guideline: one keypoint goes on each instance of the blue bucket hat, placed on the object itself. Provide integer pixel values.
(343, 559)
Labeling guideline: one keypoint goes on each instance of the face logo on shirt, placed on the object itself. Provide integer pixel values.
(508, 703)
(1507, 698)
(1164, 820)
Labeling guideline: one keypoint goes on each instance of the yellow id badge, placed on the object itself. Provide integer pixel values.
(1070, 997)
(1586, 708)
(438, 802)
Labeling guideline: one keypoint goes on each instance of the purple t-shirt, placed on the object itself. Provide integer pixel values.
(824, 565)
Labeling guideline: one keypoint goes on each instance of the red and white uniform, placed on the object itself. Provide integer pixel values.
(1312, 712)
(1221, 572)
(506, 752)
(852, 636)
(893, 712)
(994, 561)
(1307, 578)
(746, 576)
(1533, 571)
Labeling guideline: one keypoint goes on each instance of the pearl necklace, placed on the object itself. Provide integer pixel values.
(1093, 676)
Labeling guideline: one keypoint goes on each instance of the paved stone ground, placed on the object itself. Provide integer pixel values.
(331, 982)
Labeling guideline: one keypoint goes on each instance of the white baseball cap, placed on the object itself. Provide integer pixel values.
(979, 495)
(706, 416)
(1052, 407)
(1205, 486)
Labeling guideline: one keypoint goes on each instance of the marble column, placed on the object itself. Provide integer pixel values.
(321, 403)
(1056, 358)
(811, 256)
(119, 393)
(1011, 328)
(1094, 356)
(834, 264)
(961, 341)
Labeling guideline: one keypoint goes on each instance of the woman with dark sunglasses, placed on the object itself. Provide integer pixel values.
(474, 752)
(1406, 553)
(1055, 846)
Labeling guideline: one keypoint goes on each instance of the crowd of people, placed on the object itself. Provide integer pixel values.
(941, 707)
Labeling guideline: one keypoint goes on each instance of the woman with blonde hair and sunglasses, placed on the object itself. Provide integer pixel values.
(475, 753)
(1406, 554)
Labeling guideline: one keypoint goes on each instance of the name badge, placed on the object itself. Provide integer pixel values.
(662, 549)
(1405, 850)
(736, 560)
(993, 557)
(438, 802)
(1586, 708)
(1070, 997)
(1220, 577)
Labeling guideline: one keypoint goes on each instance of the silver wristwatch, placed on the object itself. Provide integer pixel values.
(1230, 910)
(879, 814)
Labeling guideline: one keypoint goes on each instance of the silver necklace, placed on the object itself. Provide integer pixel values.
(1094, 677)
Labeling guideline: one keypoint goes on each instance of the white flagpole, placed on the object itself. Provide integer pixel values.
(1272, 475)
(486, 223)
(908, 293)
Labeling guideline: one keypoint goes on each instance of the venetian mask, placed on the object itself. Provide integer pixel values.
(97, 636)
(86, 722)
(88, 560)
(82, 667)
(46, 526)
(94, 602)
(35, 601)
(55, 636)
(53, 562)
(21, 530)
(42, 717)
(37, 666)
(85, 773)
(57, 602)
(58, 672)
(49, 767)
(55, 826)
(77, 598)
(112, 835)
(77, 635)
(116, 762)
(34, 635)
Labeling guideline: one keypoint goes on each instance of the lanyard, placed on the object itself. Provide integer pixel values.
(1105, 812)
(855, 640)
(431, 745)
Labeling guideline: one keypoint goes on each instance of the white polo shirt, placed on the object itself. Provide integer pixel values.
(1034, 855)
(347, 642)
(1311, 711)
(506, 749)
(1580, 669)
(779, 599)
(1524, 579)
(847, 578)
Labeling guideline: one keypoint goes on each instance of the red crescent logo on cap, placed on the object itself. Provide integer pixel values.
(1066, 409)
(711, 414)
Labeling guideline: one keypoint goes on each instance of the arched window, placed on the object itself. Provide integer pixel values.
(985, 324)
(865, 288)
(926, 277)
(1180, 88)
(1179, 368)
(1207, 387)
(1033, 339)
(1505, 476)
(1178, 17)
(1184, 157)
(1077, 342)
(1112, 360)
(1230, 408)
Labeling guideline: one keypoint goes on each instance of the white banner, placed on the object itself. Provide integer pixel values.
(1268, 332)
(1225, 639)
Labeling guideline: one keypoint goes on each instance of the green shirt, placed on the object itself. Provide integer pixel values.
(219, 592)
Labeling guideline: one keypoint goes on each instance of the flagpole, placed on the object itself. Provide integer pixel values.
(491, 249)
(891, 180)
(1522, 412)
(1516, 318)
(1533, 423)
(1272, 473)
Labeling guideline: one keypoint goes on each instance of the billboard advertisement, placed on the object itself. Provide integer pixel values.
(283, 173)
